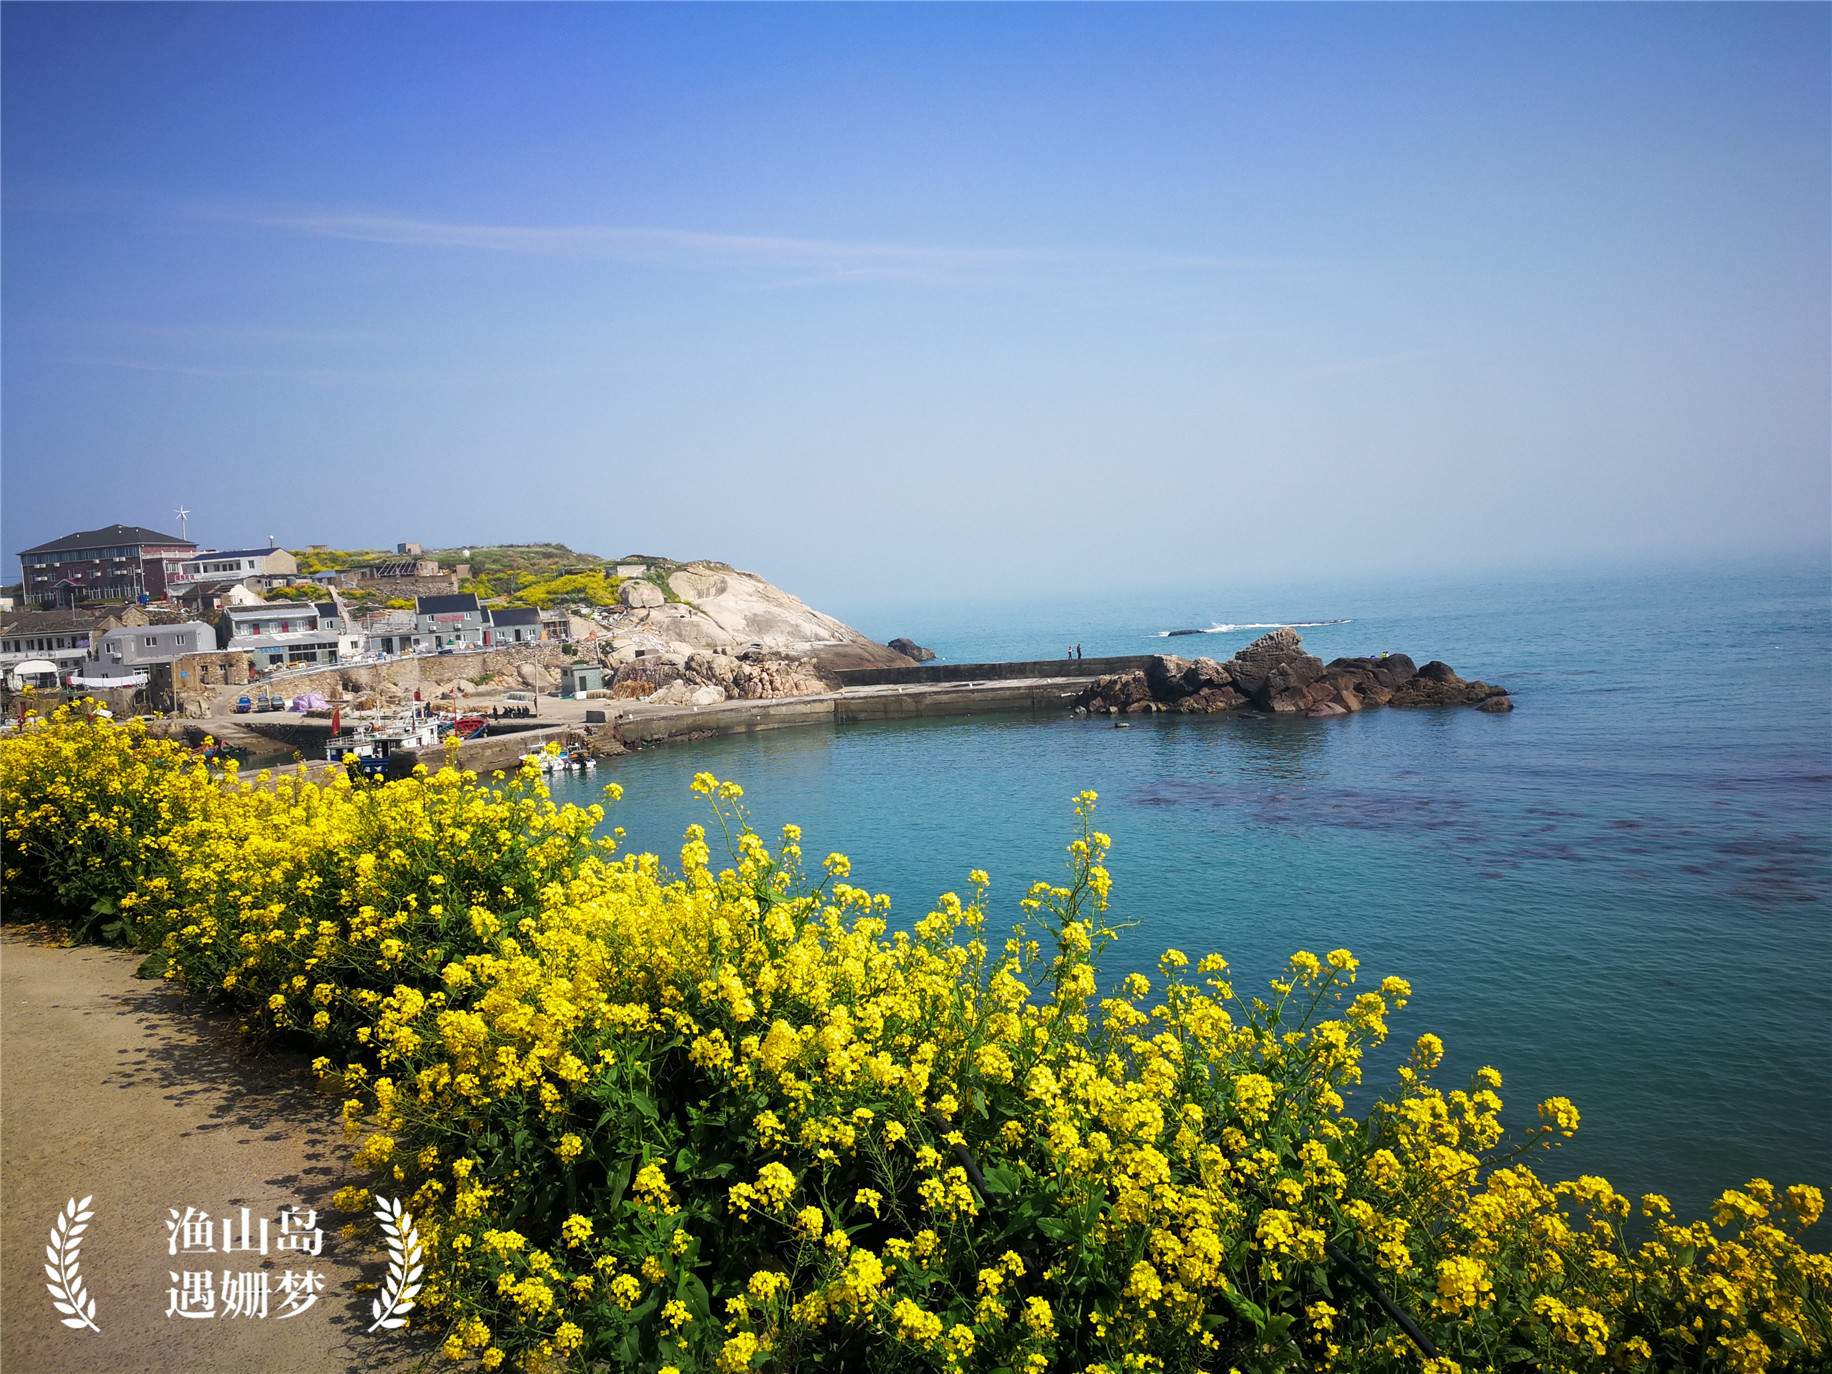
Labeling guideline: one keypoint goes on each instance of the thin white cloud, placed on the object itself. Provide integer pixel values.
(812, 261)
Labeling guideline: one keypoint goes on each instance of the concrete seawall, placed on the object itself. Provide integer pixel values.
(634, 724)
(931, 674)
(654, 725)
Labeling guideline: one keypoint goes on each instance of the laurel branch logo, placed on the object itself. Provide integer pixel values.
(66, 1284)
(404, 1267)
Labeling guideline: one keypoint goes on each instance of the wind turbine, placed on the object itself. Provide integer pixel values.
(184, 531)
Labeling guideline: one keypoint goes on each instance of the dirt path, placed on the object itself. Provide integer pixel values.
(122, 1089)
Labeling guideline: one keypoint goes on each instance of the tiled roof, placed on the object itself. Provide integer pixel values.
(110, 537)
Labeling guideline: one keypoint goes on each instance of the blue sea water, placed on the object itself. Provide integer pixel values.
(1619, 893)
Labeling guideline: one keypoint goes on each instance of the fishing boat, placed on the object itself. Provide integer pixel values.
(375, 743)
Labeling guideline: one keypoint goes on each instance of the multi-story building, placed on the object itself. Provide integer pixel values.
(513, 625)
(136, 646)
(394, 632)
(258, 570)
(61, 638)
(118, 563)
(279, 634)
(451, 621)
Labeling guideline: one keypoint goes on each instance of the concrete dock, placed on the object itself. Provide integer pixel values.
(607, 726)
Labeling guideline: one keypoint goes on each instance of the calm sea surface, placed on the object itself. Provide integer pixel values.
(1619, 893)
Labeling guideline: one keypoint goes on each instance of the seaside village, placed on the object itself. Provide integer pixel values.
(367, 658)
(247, 650)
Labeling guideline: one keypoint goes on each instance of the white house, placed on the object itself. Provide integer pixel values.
(258, 570)
(59, 638)
(282, 633)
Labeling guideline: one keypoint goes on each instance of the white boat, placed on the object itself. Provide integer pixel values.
(374, 743)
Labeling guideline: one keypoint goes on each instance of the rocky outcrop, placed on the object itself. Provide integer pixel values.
(738, 612)
(639, 595)
(1437, 684)
(1275, 674)
(705, 679)
(911, 650)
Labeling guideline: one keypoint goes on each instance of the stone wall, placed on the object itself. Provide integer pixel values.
(402, 587)
(428, 672)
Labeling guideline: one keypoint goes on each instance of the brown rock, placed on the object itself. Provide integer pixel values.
(1274, 670)
(1165, 676)
(1496, 705)
(1211, 699)
(1435, 691)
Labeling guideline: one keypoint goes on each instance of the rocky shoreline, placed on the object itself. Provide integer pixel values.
(1275, 674)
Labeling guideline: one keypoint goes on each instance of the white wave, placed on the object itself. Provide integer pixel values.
(1220, 629)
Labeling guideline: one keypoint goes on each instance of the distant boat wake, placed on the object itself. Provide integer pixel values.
(1220, 629)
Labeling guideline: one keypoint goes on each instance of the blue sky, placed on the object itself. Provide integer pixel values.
(891, 302)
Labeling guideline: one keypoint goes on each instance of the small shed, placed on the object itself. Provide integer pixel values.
(576, 679)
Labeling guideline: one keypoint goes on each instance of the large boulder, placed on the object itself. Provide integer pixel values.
(1164, 674)
(1116, 694)
(650, 671)
(1192, 685)
(752, 614)
(1276, 673)
(910, 649)
(537, 677)
(1375, 678)
(1437, 684)
(1211, 699)
(638, 594)
(712, 670)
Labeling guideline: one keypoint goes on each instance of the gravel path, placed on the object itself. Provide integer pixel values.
(123, 1089)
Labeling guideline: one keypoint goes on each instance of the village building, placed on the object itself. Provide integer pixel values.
(184, 684)
(393, 632)
(204, 595)
(451, 622)
(208, 580)
(279, 634)
(123, 656)
(115, 563)
(60, 639)
(513, 625)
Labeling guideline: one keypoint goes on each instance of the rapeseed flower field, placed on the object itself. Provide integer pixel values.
(723, 1117)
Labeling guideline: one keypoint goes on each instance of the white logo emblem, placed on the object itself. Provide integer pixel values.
(66, 1284)
(404, 1267)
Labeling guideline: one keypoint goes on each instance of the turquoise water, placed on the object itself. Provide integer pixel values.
(1619, 893)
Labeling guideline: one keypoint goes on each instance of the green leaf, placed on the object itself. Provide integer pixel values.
(1001, 1180)
(692, 1292)
(615, 1184)
(1247, 1310)
(646, 1105)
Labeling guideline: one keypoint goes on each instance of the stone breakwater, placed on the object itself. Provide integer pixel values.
(1275, 674)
